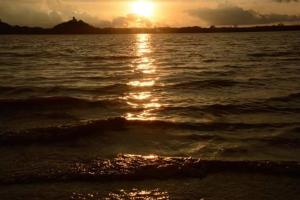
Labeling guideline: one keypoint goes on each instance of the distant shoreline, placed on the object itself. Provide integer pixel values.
(79, 27)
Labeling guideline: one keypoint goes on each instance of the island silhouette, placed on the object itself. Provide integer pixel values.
(75, 26)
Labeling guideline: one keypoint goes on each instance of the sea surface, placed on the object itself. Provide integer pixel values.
(101, 107)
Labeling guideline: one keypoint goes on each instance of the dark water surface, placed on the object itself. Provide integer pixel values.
(70, 100)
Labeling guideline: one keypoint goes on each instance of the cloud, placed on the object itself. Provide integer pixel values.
(286, 1)
(45, 13)
(24, 13)
(233, 15)
(131, 20)
(48, 13)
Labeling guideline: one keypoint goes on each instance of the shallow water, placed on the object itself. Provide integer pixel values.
(229, 96)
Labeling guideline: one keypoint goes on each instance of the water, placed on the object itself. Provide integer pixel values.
(68, 99)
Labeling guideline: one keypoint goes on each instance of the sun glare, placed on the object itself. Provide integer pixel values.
(143, 8)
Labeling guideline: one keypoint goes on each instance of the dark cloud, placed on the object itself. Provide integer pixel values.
(286, 1)
(233, 15)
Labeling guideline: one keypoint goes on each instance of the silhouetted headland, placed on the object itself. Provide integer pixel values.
(75, 26)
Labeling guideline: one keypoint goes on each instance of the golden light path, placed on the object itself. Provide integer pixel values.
(143, 8)
(141, 94)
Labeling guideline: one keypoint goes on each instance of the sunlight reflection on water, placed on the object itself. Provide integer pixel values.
(142, 83)
(126, 194)
(140, 95)
(140, 194)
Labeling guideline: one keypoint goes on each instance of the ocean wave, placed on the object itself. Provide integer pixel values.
(272, 104)
(242, 108)
(17, 54)
(39, 54)
(287, 138)
(287, 98)
(135, 167)
(221, 82)
(113, 88)
(17, 89)
(211, 60)
(57, 101)
(120, 57)
(91, 128)
(207, 83)
(273, 54)
(268, 105)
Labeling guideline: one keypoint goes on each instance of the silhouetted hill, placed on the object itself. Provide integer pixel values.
(5, 28)
(8, 29)
(75, 26)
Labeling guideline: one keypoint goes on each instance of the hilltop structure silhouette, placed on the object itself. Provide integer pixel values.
(74, 26)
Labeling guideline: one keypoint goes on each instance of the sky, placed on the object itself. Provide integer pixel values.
(151, 13)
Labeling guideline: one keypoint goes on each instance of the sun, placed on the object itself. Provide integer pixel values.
(143, 8)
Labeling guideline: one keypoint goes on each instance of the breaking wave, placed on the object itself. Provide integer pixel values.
(54, 101)
(135, 167)
(98, 127)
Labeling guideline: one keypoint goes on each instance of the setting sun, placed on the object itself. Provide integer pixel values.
(143, 8)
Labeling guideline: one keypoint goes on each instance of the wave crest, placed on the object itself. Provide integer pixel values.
(90, 128)
(136, 167)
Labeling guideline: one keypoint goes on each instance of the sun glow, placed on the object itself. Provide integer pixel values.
(143, 8)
